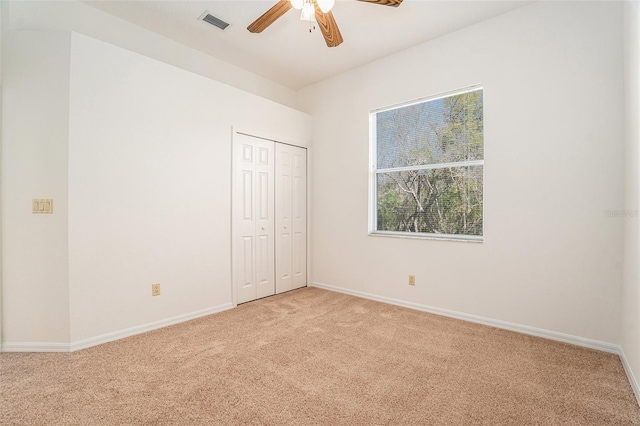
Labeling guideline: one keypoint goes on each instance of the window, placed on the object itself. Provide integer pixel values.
(427, 160)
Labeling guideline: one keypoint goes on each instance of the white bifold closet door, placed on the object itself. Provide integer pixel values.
(291, 217)
(269, 226)
(253, 218)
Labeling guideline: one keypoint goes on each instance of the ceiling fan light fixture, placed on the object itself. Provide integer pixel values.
(312, 11)
(325, 5)
(308, 12)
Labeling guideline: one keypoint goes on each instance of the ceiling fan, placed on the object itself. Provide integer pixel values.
(320, 9)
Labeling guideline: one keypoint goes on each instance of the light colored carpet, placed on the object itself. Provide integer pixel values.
(313, 356)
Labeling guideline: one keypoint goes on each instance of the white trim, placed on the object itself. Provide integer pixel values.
(632, 379)
(127, 332)
(432, 166)
(34, 347)
(425, 236)
(442, 95)
(373, 185)
(232, 223)
(109, 337)
(524, 329)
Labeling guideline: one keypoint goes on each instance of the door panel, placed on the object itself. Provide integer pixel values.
(247, 258)
(283, 219)
(263, 196)
(265, 255)
(285, 196)
(253, 222)
(291, 214)
(264, 268)
(247, 194)
(297, 260)
(299, 195)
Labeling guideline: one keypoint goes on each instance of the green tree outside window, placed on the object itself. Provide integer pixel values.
(428, 170)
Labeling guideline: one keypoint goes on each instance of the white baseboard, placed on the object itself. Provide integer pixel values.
(109, 337)
(34, 347)
(116, 335)
(524, 329)
(630, 375)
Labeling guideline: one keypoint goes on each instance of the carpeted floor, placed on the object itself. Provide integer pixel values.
(317, 357)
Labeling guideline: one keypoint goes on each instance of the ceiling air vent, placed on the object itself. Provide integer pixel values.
(216, 22)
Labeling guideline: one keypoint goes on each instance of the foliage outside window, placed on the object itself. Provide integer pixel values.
(427, 160)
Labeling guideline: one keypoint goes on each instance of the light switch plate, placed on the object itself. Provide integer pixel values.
(42, 206)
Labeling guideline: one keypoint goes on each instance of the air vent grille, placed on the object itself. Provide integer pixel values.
(216, 22)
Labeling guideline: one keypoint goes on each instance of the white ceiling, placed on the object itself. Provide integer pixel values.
(286, 52)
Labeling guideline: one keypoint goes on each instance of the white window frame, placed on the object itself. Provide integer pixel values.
(374, 171)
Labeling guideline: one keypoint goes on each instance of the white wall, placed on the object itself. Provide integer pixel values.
(551, 258)
(35, 130)
(631, 284)
(73, 15)
(142, 151)
(149, 185)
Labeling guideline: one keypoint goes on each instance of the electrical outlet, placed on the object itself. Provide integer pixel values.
(155, 289)
(412, 280)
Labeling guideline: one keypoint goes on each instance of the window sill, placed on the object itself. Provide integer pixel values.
(419, 236)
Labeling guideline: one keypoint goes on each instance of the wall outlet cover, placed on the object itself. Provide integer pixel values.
(155, 289)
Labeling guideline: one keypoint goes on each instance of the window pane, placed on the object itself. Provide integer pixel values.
(437, 201)
(443, 130)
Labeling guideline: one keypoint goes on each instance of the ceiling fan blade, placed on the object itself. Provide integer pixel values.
(394, 3)
(328, 27)
(270, 16)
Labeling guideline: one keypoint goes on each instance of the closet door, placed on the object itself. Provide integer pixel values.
(299, 191)
(291, 217)
(253, 218)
